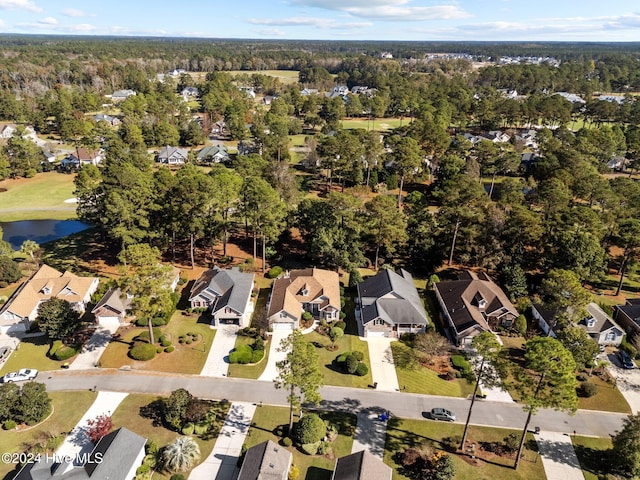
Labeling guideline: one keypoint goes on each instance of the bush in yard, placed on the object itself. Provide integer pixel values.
(362, 370)
(324, 448)
(340, 359)
(274, 272)
(188, 428)
(294, 473)
(306, 316)
(258, 344)
(177, 476)
(159, 350)
(351, 364)
(460, 363)
(143, 469)
(335, 333)
(310, 448)
(169, 349)
(309, 429)
(9, 425)
(257, 355)
(165, 342)
(64, 353)
(158, 322)
(9, 270)
(340, 324)
(241, 355)
(99, 427)
(201, 428)
(287, 442)
(354, 277)
(144, 335)
(143, 352)
(359, 355)
(54, 347)
(587, 389)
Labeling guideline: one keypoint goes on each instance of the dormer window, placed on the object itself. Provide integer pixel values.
(480, 301)
(591, 322)
(46, 290)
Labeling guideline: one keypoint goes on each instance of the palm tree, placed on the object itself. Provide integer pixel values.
(181, 455)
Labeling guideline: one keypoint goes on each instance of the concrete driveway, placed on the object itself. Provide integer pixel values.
(271, 371)
(90, 355)
(558, 456)
(217, 364)
(383, 370)
(628, 381)
(370, 432)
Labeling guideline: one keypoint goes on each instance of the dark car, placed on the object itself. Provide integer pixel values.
(4, 353)
(625, 359)
(442, 414)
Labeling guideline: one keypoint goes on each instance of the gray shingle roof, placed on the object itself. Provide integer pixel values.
(267, 460)
(602, 321)
(392, 297)
(361, 466)
(224, 288)
(113, 300)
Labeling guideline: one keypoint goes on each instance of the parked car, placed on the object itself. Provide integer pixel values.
(625, 360)
(4, 353)
(20, 375)
(442, 414)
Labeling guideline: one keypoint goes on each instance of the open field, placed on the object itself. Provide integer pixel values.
(63, 419)
(316, 467)
(402, 434)
(285, 76)
(37, 198)
(380, 124)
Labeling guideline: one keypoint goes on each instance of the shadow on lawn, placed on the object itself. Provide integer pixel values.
(595, 461)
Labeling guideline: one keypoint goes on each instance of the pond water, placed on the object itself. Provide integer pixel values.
(40, 231)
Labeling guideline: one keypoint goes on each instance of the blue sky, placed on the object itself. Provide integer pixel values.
(557, 20)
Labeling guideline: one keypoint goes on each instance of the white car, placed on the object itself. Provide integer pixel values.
(20, 375)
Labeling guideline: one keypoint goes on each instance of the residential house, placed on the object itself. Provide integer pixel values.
(227, 293)
(361, 466)
(189, 92)
(601, 327)
(249, 91)
(472, 138)
(82, 156)
(218, 127)
(48, 156)
(177, 72)
(173, 155)
(8, 131)
(496, 136)
(116, 456)
(267, 460)
(247, 147)
(112, 308)
(309, 91)
(386, 55)
(572, 97)
(101, 117)
(546, 318)
(473, 304)
(619, 99)
(528, 138)
(121, 95)
(213, 154)
(47, 282)
(389, 305)
(310, 290)
(628, 315)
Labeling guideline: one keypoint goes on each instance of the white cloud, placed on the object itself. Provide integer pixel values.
(269, 32)
(48, 21)
(81, 27)
(20, 4)
(73, 12)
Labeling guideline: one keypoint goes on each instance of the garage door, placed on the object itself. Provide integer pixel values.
(282, 326)
(108, 321)
(229, 321)
(376, 334)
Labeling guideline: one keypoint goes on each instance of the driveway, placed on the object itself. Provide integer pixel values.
(271, 371)
(217, 364)
(383, 370)
(370, 432)
(628, 381)
(222, 463)
(92, 351)
(558, 456)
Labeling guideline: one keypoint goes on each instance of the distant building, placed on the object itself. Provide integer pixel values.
(120, 95)
(173, 155)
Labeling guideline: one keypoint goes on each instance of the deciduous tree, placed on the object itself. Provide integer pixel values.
(57, 318)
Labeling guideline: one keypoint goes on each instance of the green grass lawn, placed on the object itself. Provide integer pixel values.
(40, 197)
(31, 353)
(593, 456)
(287, 77)
(185, 358)
(128, 415)
(268, 418)
(426, 381)
(332, 376)
(403, 434)
(608, 398)
(252, 370)
(380, 124)
(68, 409)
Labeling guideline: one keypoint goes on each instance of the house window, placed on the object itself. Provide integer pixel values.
(609, 337)
(378, 321)
(591, 322)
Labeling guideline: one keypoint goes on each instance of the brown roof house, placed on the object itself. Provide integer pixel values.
(361, 466)
(628, 315)
(22, 308)
(473, 304)
(389, 305)
(310, 290)
(267, 460)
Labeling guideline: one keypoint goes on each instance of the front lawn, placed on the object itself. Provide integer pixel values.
(128, 414)
(608, 399)
(185, 359)
(403, 434)
(31, 353)
(253, 370)
(424, 380)
(268, 418)
(68, 409)
(592, 454)
(332, 374)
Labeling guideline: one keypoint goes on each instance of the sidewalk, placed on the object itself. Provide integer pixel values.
(217, 364)
(383, 370)
(221, 464)
(370, 432)
(558, 456)
(77, 441)
(94, 348)
(271, 371)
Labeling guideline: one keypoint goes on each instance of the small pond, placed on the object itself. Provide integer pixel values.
(40, 231)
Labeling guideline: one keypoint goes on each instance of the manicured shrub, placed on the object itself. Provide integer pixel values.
(143, 469)
(164, 341)
(241, 355)
(189, 341)
(340, 359)
(359, 355)
(151, 448)
(310, 429)
(9, 424)
(54, 347)
(158, 321)
(310, 448)
(342, 316)
(64, 353)
(306, 316)
(159, 349)
(258, 344)
(201, 428)
(362, 370)
(335, 333)
(169, 349)
(143, 352)
(460, 363)
(140, 322)
(9, 270)
(188, 429)
(177, 476)
(324, 448)
(340, 324)
(287, 442)
(587, 389)
(274, 272)
(144, 335)
(181, 339)
(582, 377)
(351, 364)
(257, 355)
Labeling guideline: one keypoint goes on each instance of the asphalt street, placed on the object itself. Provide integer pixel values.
(407, 405)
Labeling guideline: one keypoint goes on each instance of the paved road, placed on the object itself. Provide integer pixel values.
(337, 398)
